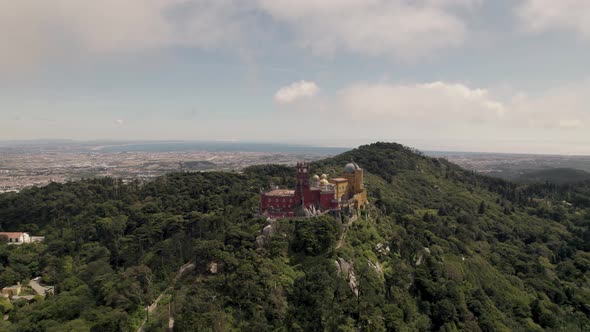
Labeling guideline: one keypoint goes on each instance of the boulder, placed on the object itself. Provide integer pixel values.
(212, 267)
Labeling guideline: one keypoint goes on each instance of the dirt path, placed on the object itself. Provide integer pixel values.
(154, 305)
(344, 231)
(170, 318)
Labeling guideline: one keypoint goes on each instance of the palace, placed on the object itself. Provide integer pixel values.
(317, 194)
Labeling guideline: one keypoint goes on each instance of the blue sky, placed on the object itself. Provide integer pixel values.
(476, 75)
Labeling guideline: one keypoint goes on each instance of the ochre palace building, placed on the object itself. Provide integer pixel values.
(317, 194)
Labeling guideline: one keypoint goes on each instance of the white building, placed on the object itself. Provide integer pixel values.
(16, 237)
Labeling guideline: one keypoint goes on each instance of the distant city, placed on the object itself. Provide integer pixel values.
(26, 164)
(35, 163)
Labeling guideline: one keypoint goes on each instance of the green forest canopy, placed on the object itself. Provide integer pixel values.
(439, 249)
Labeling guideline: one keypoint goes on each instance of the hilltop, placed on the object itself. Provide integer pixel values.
(439, 248)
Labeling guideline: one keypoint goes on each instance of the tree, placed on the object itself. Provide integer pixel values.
(5, 306)
(316, 235)
(482, 207)
(9, 277)
(77, 325)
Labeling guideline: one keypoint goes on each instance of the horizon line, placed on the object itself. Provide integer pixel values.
(283, 143)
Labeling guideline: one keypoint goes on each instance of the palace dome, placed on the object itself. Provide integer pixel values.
(351, 167)
(324, 182)
(315, 177)
(324, 177)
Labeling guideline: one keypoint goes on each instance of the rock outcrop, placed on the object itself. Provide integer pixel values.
(346, 269)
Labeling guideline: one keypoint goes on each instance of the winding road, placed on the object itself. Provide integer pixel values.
(41, 290)
(344, 231)
(154, 305)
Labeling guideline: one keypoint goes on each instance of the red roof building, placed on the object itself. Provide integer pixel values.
(16, 237)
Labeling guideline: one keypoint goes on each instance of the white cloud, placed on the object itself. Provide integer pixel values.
(543, 15)
(428, 100)
(119, 122)
(564, 107)
(296, 91)
(571, 124)
(398, 28)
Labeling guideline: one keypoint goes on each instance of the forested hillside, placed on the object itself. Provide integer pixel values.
(554, 175)
(439, 249)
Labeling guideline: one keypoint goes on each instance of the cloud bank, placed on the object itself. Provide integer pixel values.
(33, 31)
(452, 104)
(419, 101)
